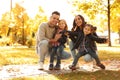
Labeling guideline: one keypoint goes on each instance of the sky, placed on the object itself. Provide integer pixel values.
(48, 6)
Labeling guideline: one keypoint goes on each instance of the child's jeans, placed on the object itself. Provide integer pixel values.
(56, 51)
(80, 54)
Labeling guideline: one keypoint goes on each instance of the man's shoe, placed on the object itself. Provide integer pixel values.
(51, 67)
(41, 66)
(101, 66)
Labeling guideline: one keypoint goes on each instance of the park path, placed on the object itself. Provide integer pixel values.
(14, 71)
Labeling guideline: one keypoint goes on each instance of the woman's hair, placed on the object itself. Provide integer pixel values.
(83, 22)
(66, 26)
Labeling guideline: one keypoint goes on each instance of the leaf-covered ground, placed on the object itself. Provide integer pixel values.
(17, 63)
(15, 71)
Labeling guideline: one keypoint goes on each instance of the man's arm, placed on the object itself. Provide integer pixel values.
(41, 32)
(57, 36)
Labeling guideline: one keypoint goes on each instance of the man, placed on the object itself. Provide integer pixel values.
(45, 36)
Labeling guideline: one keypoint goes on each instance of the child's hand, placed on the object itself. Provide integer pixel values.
(67, 34)
(57, 36)
(107, 41)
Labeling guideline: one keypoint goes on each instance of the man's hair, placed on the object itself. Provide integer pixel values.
(56, 12)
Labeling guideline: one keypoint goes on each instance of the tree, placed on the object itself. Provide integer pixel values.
(21, 21)
(115, 17)
(19, 26)
(5, 21)
(39, 18)
(96, 12)
(34, 24)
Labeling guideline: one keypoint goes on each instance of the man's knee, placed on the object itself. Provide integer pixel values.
(43, 43)
(43, 47)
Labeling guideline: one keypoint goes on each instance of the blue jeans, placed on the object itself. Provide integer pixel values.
(73, 52)
(56, 51)
(42, 49)
(65, 55)
(80, 54)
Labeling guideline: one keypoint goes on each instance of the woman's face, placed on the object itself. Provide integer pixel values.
(78, 21)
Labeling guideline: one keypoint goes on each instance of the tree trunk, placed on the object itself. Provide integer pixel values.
(109, 44)
(119, 35)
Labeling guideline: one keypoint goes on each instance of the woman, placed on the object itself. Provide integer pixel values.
(78, 25)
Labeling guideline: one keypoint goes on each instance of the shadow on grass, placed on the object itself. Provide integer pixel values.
(98, 75)
(76, 75)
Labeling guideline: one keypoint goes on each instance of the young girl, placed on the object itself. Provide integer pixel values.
(84, 44)
(58, 46)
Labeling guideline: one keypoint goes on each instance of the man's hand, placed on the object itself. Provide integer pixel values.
(57, 36)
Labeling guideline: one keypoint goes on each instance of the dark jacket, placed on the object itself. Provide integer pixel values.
(74, 36)
(63, 38)
(89, 40)
(94, 42)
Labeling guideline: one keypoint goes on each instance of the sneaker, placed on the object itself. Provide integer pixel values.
(101, 66)
(51, 67)
(57, 67)
(41, 66)
(72, 67)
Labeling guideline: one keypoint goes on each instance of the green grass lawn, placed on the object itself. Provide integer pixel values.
(17, 56)
(21, 55)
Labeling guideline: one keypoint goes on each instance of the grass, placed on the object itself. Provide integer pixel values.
(25, 55)
(17, 56)
(98, 75)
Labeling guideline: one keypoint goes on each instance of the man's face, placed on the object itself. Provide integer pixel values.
(87, 30)
(54, 19)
